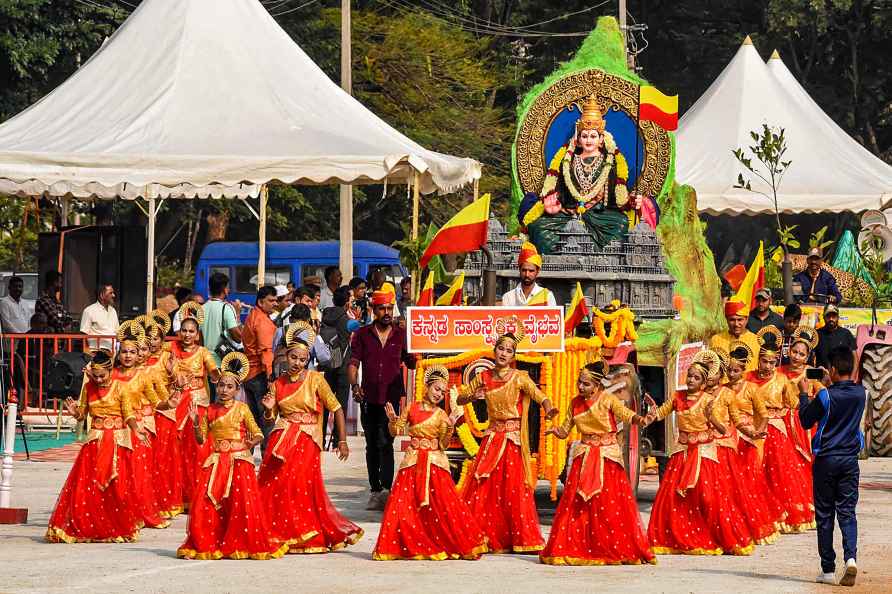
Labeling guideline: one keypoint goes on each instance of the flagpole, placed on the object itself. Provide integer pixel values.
(637, 147)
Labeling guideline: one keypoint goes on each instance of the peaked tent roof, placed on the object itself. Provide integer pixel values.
(205, 98)
(827, 173)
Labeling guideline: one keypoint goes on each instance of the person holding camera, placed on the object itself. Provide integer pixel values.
(836, 412)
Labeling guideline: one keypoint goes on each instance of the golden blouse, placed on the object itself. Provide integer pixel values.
(231, 421)
(196, 366)
(747, 406)
(427, 426)
(113, 401)
(299, 398)
(778, 393)
(503, 399)
(690, 412)
(595, 417)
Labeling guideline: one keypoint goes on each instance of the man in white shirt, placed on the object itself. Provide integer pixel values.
(14, 315)
(333, 280)
(528, 291)
(101, 319)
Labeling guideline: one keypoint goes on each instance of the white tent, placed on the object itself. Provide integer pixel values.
(199, 98)
(829, 170)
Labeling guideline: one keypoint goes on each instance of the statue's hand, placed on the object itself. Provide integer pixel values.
(552, 204)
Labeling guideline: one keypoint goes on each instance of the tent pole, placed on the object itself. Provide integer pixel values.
(150, 256)
(416, 198)
(261, 241)
(345, 236)
(66, 206)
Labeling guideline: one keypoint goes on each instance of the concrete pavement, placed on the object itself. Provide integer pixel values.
(29, 565)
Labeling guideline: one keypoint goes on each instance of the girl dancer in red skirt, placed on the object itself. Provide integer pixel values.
(136, 384)
(168, 468)
(694, 512)
(786, 471)
(425, 518)
(193, 366)
(226, 517)
(291, 474)
(749, 494)
(597, 521)
(97, 503)
(802, 345)
(500, 484)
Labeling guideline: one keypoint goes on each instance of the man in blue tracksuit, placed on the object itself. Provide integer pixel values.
(837, 412)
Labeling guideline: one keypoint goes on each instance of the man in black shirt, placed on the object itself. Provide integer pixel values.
(792, 319)
(762, 315)
(832, 336)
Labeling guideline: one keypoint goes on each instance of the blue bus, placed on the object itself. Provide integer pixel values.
(292, 261)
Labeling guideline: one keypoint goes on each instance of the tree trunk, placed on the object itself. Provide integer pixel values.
(218, 223)
(191, 238)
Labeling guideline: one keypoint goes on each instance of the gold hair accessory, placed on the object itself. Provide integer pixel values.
(160, 317)
(770, 339)
(107, 363)
(806, 335)
(152, 327)
(142, 320)
(436, 373)
(292, 336)
(596, 371)
(133, 331)
(591, 118)
(236, 365)
(724, 356)
(192, 310)
(736, 345)
(710, 361)
(502, 332)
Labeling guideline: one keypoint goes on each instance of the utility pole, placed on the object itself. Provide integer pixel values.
(345, 256)
(624, 28)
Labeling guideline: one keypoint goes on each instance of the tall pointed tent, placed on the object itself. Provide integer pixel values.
(825, 174)
(206, 98)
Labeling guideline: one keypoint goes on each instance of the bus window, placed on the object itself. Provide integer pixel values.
(246, 277)
(393, 272)
(223, 269)
(317, 271)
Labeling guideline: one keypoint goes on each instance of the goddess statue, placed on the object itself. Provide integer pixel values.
(586, 179)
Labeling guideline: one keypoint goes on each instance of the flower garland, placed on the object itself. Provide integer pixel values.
(477, 428)
(622, 326)
(467, 439)
(465, 467)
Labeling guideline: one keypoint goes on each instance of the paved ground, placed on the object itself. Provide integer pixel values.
(28, 564)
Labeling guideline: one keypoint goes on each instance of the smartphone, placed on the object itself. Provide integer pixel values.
(814, 373)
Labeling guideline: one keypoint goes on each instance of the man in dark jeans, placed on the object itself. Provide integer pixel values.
(336, 336)
(380, 348)
(257, 337)
(837, 412)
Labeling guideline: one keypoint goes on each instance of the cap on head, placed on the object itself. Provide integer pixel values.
(815, 252)
(764, 293)
(831, 309)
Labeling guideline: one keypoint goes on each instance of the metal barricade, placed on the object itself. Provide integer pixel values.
(26, 361)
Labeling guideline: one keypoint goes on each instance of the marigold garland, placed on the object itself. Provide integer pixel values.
(465, 468)
(622, 326)
(467, 439)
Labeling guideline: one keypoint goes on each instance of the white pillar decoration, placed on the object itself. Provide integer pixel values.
(12, 407)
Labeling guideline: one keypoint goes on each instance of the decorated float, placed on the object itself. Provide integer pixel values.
(605, 212)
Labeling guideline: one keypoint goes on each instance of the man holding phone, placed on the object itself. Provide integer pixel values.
(837, 411)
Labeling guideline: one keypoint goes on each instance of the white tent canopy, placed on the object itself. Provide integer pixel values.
(830, 171)
(207, 95)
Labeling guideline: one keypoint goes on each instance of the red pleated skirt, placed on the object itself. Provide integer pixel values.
(705, 521)
(300, 513)
(238, 529)
(442, 529)
(143, 466)
(605, 530)
(168, 470)
(749, 498)
(749, 461)
(87, 512)
(789, 478)
(193, 453)
(504, 504)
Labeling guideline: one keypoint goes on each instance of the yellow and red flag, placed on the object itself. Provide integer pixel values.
(465, 232)
(753, 281)
(426, 297)
(455, 293)
(577, 311)
(656, 107)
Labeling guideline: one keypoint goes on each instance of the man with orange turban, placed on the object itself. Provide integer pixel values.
(737, 313)
(528, 291)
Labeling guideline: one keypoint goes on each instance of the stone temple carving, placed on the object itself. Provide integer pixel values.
(631, 270)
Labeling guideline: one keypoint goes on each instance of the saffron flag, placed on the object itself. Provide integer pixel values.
(656, 107)
(426, 297)
(577, 311)
(754, 280)
(465, 232)
(455, 293)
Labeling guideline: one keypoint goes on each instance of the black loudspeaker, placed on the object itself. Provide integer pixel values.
(93, 256)
(65, 374)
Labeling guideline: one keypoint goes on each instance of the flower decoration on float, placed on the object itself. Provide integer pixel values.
(622, 324)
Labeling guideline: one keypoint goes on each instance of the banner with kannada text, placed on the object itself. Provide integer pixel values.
(460, 329)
